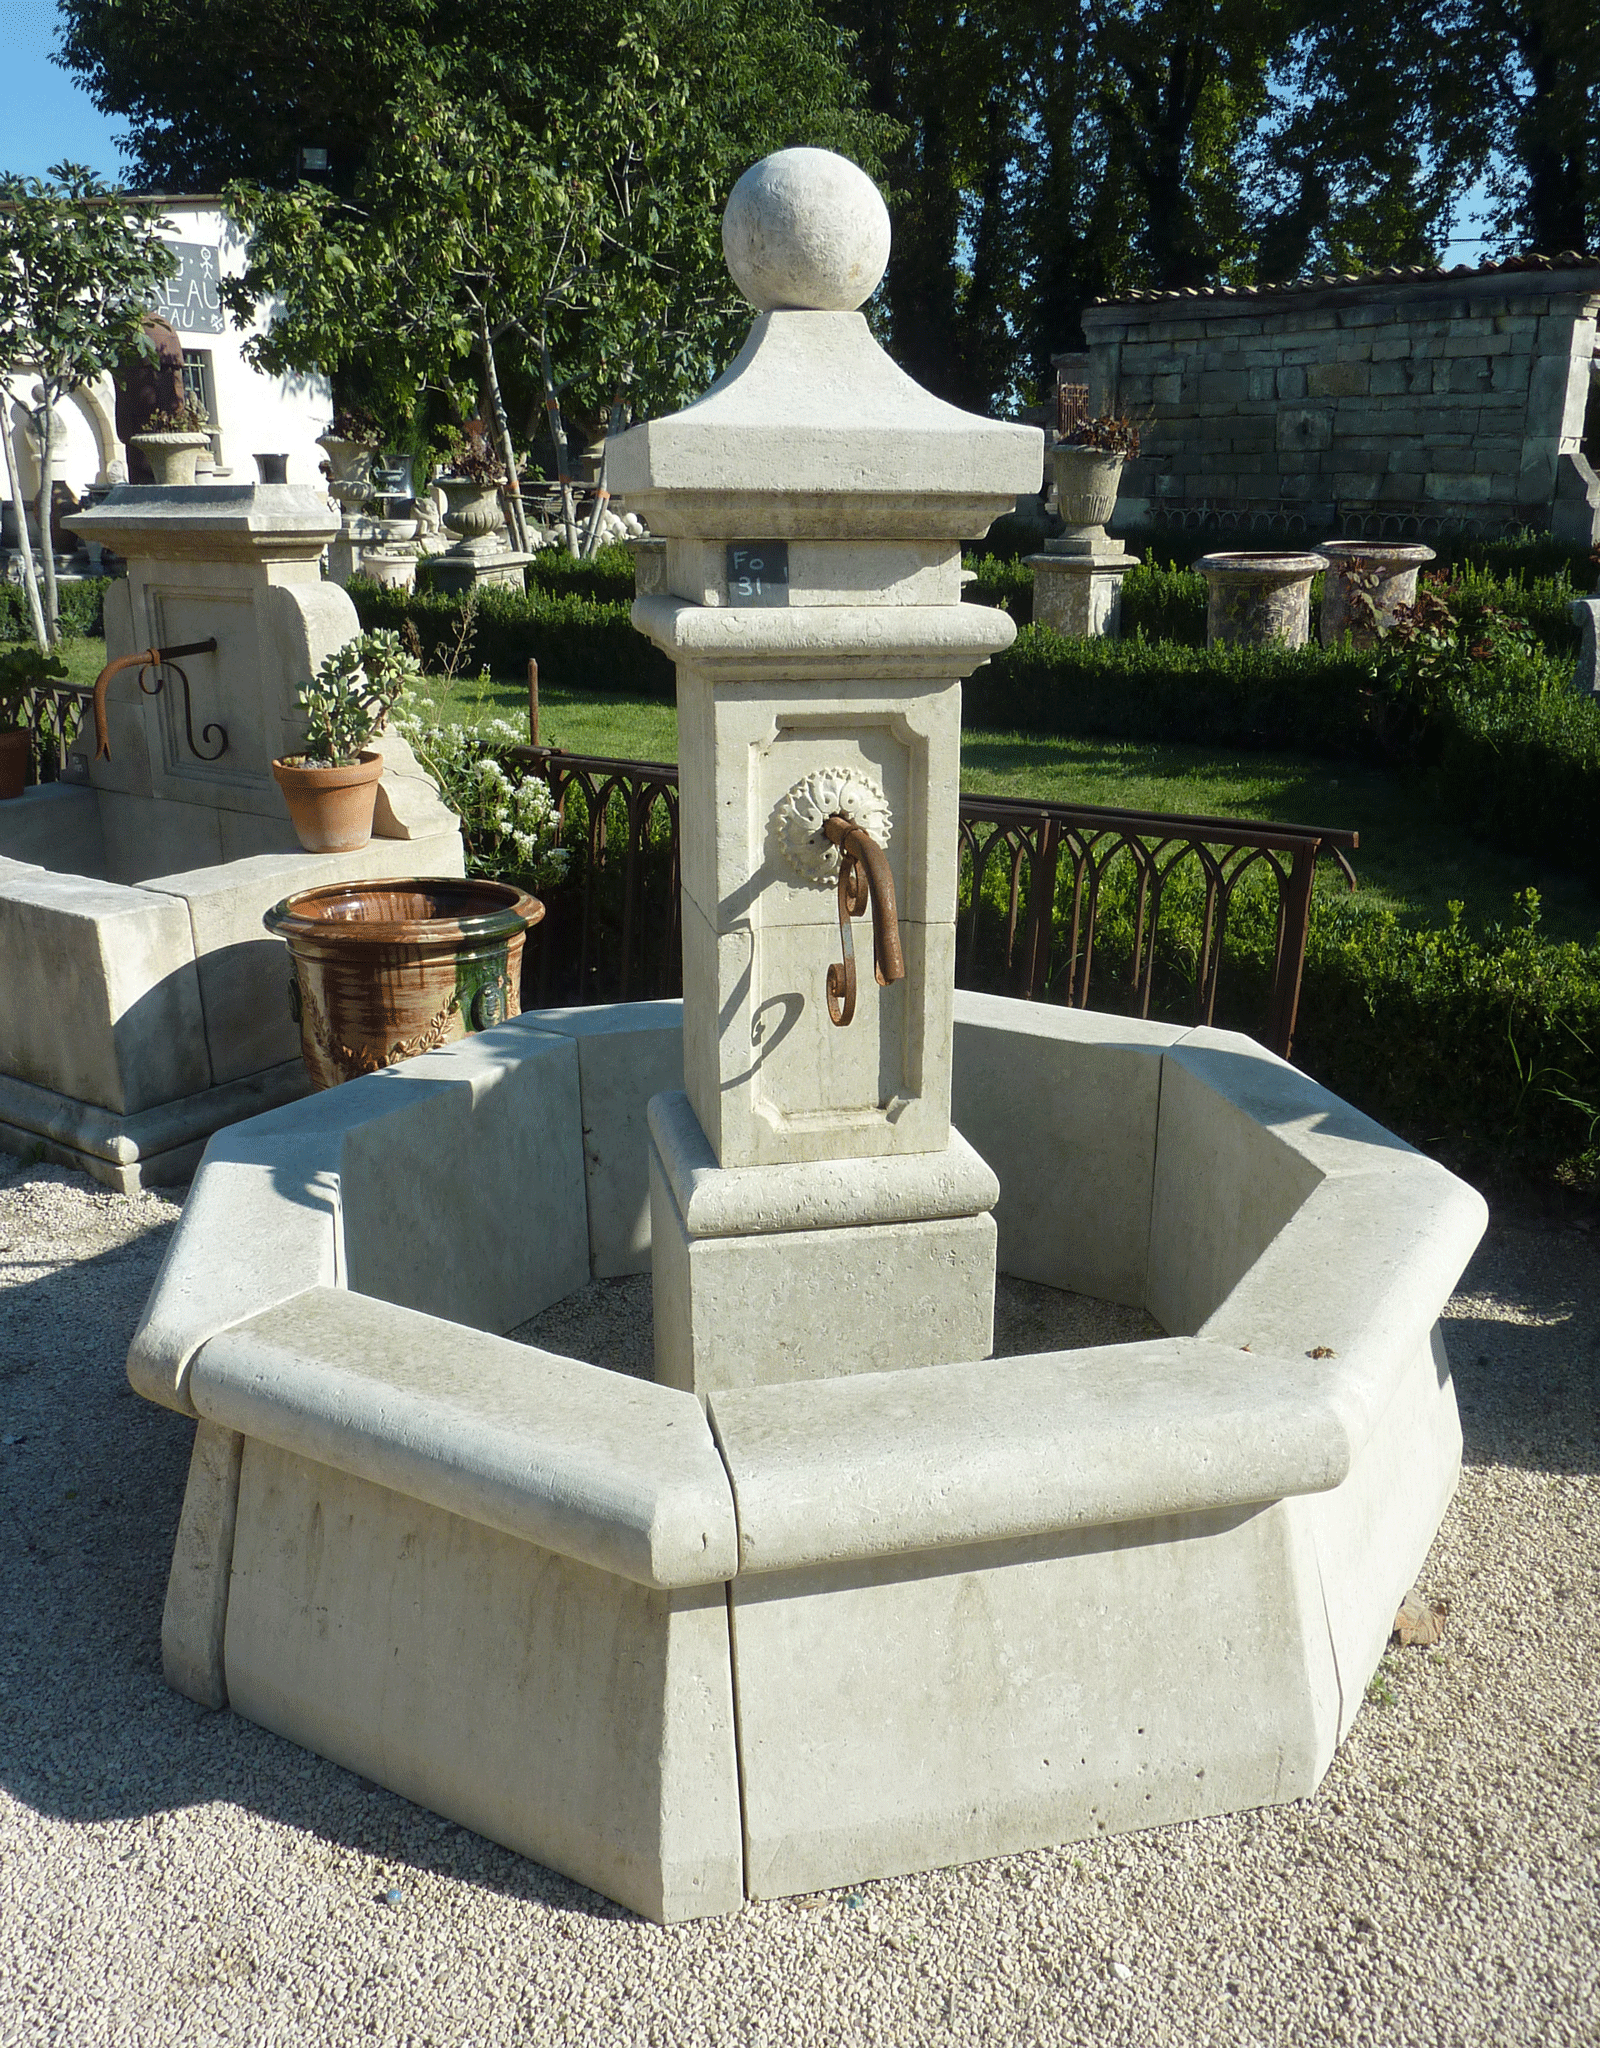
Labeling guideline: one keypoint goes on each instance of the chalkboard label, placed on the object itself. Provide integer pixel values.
(758, 572)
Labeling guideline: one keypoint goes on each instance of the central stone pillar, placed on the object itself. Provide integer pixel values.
(813, 1211)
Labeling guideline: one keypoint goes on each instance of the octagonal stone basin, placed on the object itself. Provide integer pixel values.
(840, 1628)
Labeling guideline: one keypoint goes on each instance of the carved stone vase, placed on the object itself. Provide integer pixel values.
(1086, 481)
(1258, 600)
(172, 457)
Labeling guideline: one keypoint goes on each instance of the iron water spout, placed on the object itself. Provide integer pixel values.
(864, 882)
(155, 659)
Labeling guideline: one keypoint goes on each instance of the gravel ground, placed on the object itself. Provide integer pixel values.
(173, 1876)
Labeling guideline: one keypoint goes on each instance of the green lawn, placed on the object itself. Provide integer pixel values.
(1411, 855)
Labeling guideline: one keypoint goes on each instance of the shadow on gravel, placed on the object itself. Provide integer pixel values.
(1524, 1345)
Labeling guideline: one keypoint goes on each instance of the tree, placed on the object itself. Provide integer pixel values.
(79, 265)
(516, 223)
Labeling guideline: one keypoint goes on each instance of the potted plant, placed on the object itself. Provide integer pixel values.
(22, 670)
(172, 441)
(472, 479)
(331, 788)
(1087, 464)
(351, 438)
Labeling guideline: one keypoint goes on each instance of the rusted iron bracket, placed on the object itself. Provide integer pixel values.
(150, 663)
(865, 881)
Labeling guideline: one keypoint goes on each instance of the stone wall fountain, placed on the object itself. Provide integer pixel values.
(141, 1005)
(836, 1594)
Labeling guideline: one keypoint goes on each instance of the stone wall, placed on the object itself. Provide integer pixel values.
(1396, 404)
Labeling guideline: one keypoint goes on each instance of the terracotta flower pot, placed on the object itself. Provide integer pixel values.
(172, 457)
(331, 808)
(14, 749)
(384, 971)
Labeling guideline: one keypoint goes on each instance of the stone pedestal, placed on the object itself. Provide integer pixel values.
(1081, 595)
(813, 506)
(473, 567)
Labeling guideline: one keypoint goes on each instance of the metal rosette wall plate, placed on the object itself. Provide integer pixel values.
(801, 812)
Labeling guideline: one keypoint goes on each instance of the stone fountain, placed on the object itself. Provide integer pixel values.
(141, 1005)
(835, 1595)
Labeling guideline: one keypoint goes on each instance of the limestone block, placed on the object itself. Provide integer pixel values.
(825, 572)
(196, 1612)
(716, 1201)
(773, 1080)
(906, 739)
(590, 1464)
(909, 1713)
(627, 1053)
(1067, 1099)
(409, 805)
(148, 836)
(1357, 1277)
(831, 1470)
(462, 1177)
(100, 999)
(579, 1718)
(261, 1224)
(1370, 1535)
(748, 1310)
(157, 1147)
(1213, 1133)
(54, 825)
(1302, 431)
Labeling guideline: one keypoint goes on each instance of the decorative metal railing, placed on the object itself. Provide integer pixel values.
(1048, 894)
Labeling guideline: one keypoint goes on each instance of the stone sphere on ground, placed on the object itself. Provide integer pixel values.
(806, 230)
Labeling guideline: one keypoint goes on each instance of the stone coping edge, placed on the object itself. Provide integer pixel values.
(941, 639)
(716, 1201)
(618, 1473)
(825, 1471)
(125, 1140)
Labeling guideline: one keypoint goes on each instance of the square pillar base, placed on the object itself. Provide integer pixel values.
(1080, 595)
(774, 1273)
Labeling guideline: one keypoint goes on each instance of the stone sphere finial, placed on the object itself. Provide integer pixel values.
(806, 230)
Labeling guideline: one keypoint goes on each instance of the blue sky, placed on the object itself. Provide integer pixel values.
(44, 115)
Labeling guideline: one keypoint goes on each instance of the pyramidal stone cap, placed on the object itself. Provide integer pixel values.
(812, 431)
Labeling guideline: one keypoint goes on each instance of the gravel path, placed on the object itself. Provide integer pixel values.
(173, 1876)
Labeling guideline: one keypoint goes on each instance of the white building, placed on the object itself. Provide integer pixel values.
(251, 413)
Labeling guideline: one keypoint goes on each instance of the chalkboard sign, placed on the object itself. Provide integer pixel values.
(190, 299)
(758, 572)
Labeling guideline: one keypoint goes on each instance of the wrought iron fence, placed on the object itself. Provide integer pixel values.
(53, 712)
(1041, 885)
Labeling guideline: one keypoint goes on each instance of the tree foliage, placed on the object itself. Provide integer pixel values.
(1037, 154)
(79, 266)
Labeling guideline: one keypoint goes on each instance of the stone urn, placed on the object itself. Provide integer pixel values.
(349, 462)
(1392, 566)
(472, 509)
(383, 971)
(1086, 481)
(1258, 600)
(172, 456)
(395, 567)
